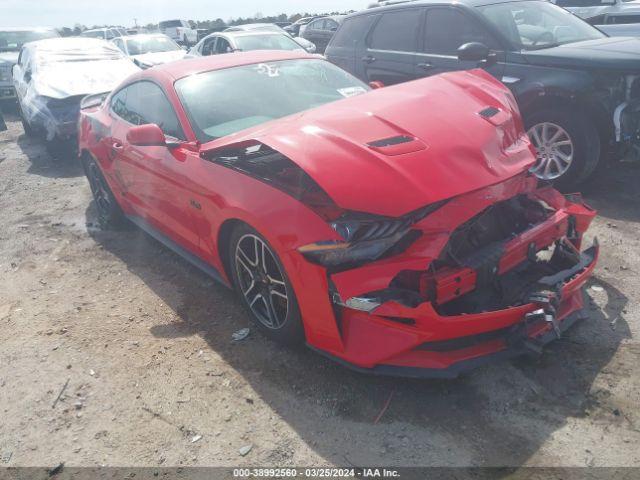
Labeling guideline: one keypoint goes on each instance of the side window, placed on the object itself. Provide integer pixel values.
(207, 46)
(316, 25)
(144, 102)
(396, 31)
(223, 46)
(330, 25)
(353, 31)
(446, 29)
(109, 35)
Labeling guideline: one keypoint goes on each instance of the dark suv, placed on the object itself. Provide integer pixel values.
(578, 89)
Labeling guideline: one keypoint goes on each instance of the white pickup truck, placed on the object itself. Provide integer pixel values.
(179, 31)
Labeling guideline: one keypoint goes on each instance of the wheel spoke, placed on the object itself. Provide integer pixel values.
(245, 257)
(545, 132)
(537, 142)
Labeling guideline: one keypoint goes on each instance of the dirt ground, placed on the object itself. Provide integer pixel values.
(154, 378)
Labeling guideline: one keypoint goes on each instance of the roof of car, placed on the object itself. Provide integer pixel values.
(411, 3)
(184, 68)
(68, 43)
(142, 36)
(247, 33)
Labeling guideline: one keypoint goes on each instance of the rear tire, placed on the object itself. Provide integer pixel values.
(571, 150)
(110, 215)
(262, 284)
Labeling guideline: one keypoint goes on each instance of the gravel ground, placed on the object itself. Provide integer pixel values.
(139, 343)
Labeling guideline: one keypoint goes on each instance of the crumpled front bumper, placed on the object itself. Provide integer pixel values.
(469, 340)
(421, 341)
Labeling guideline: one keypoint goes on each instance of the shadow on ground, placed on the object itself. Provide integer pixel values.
(499, 415)
(58, 162)
(615, 191)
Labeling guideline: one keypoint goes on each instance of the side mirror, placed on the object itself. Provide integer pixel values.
(473, 52)
(146, 136)
(376, 84)
(27, 76)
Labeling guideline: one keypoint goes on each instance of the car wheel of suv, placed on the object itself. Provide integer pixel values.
(110, 214)
(567, 145)
(262, 284)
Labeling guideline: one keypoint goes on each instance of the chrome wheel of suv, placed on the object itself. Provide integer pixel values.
(554, 150)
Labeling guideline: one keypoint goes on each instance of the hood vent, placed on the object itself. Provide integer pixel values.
(489, 112)
(397, 145)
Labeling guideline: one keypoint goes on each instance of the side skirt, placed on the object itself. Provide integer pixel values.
(171, 245)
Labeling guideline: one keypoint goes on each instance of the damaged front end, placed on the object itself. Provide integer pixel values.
(493, 273)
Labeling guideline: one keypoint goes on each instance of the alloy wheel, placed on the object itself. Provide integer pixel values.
(261, 281)
(554, 150)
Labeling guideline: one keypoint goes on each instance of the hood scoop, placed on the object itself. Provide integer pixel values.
(397, 145)
(495, 116)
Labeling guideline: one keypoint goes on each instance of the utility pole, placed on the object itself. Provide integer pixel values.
(135, 22)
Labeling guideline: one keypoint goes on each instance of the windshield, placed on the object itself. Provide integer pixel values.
(266, 42)
(13, 41)
(533, 25)
(139, 46)
(220, 102)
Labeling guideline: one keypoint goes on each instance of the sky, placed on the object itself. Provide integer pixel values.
(59, 13)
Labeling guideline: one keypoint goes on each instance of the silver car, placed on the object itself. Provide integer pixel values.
(11, 41)
(271, 27)
(229, 42)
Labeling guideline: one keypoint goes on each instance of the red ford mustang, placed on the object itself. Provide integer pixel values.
(395, 230)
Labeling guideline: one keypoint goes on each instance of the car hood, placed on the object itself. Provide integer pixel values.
(619, 53)
(9, 57)
(68, 79)
(397, 149)
(157, 58)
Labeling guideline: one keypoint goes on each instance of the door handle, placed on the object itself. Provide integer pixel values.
(425, 66)
(368, 59)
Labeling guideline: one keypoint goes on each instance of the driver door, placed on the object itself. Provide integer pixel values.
(154, 177)
(444, 30)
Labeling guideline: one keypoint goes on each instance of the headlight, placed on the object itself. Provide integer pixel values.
(365, 238)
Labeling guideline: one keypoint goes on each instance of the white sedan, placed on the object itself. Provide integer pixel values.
(147, 50)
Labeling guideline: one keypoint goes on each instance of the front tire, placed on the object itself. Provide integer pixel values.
(263, 286)
(568, 146)
(110, 215)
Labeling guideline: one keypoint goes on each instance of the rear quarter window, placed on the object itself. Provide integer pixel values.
(352, 31)
(397, 31)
